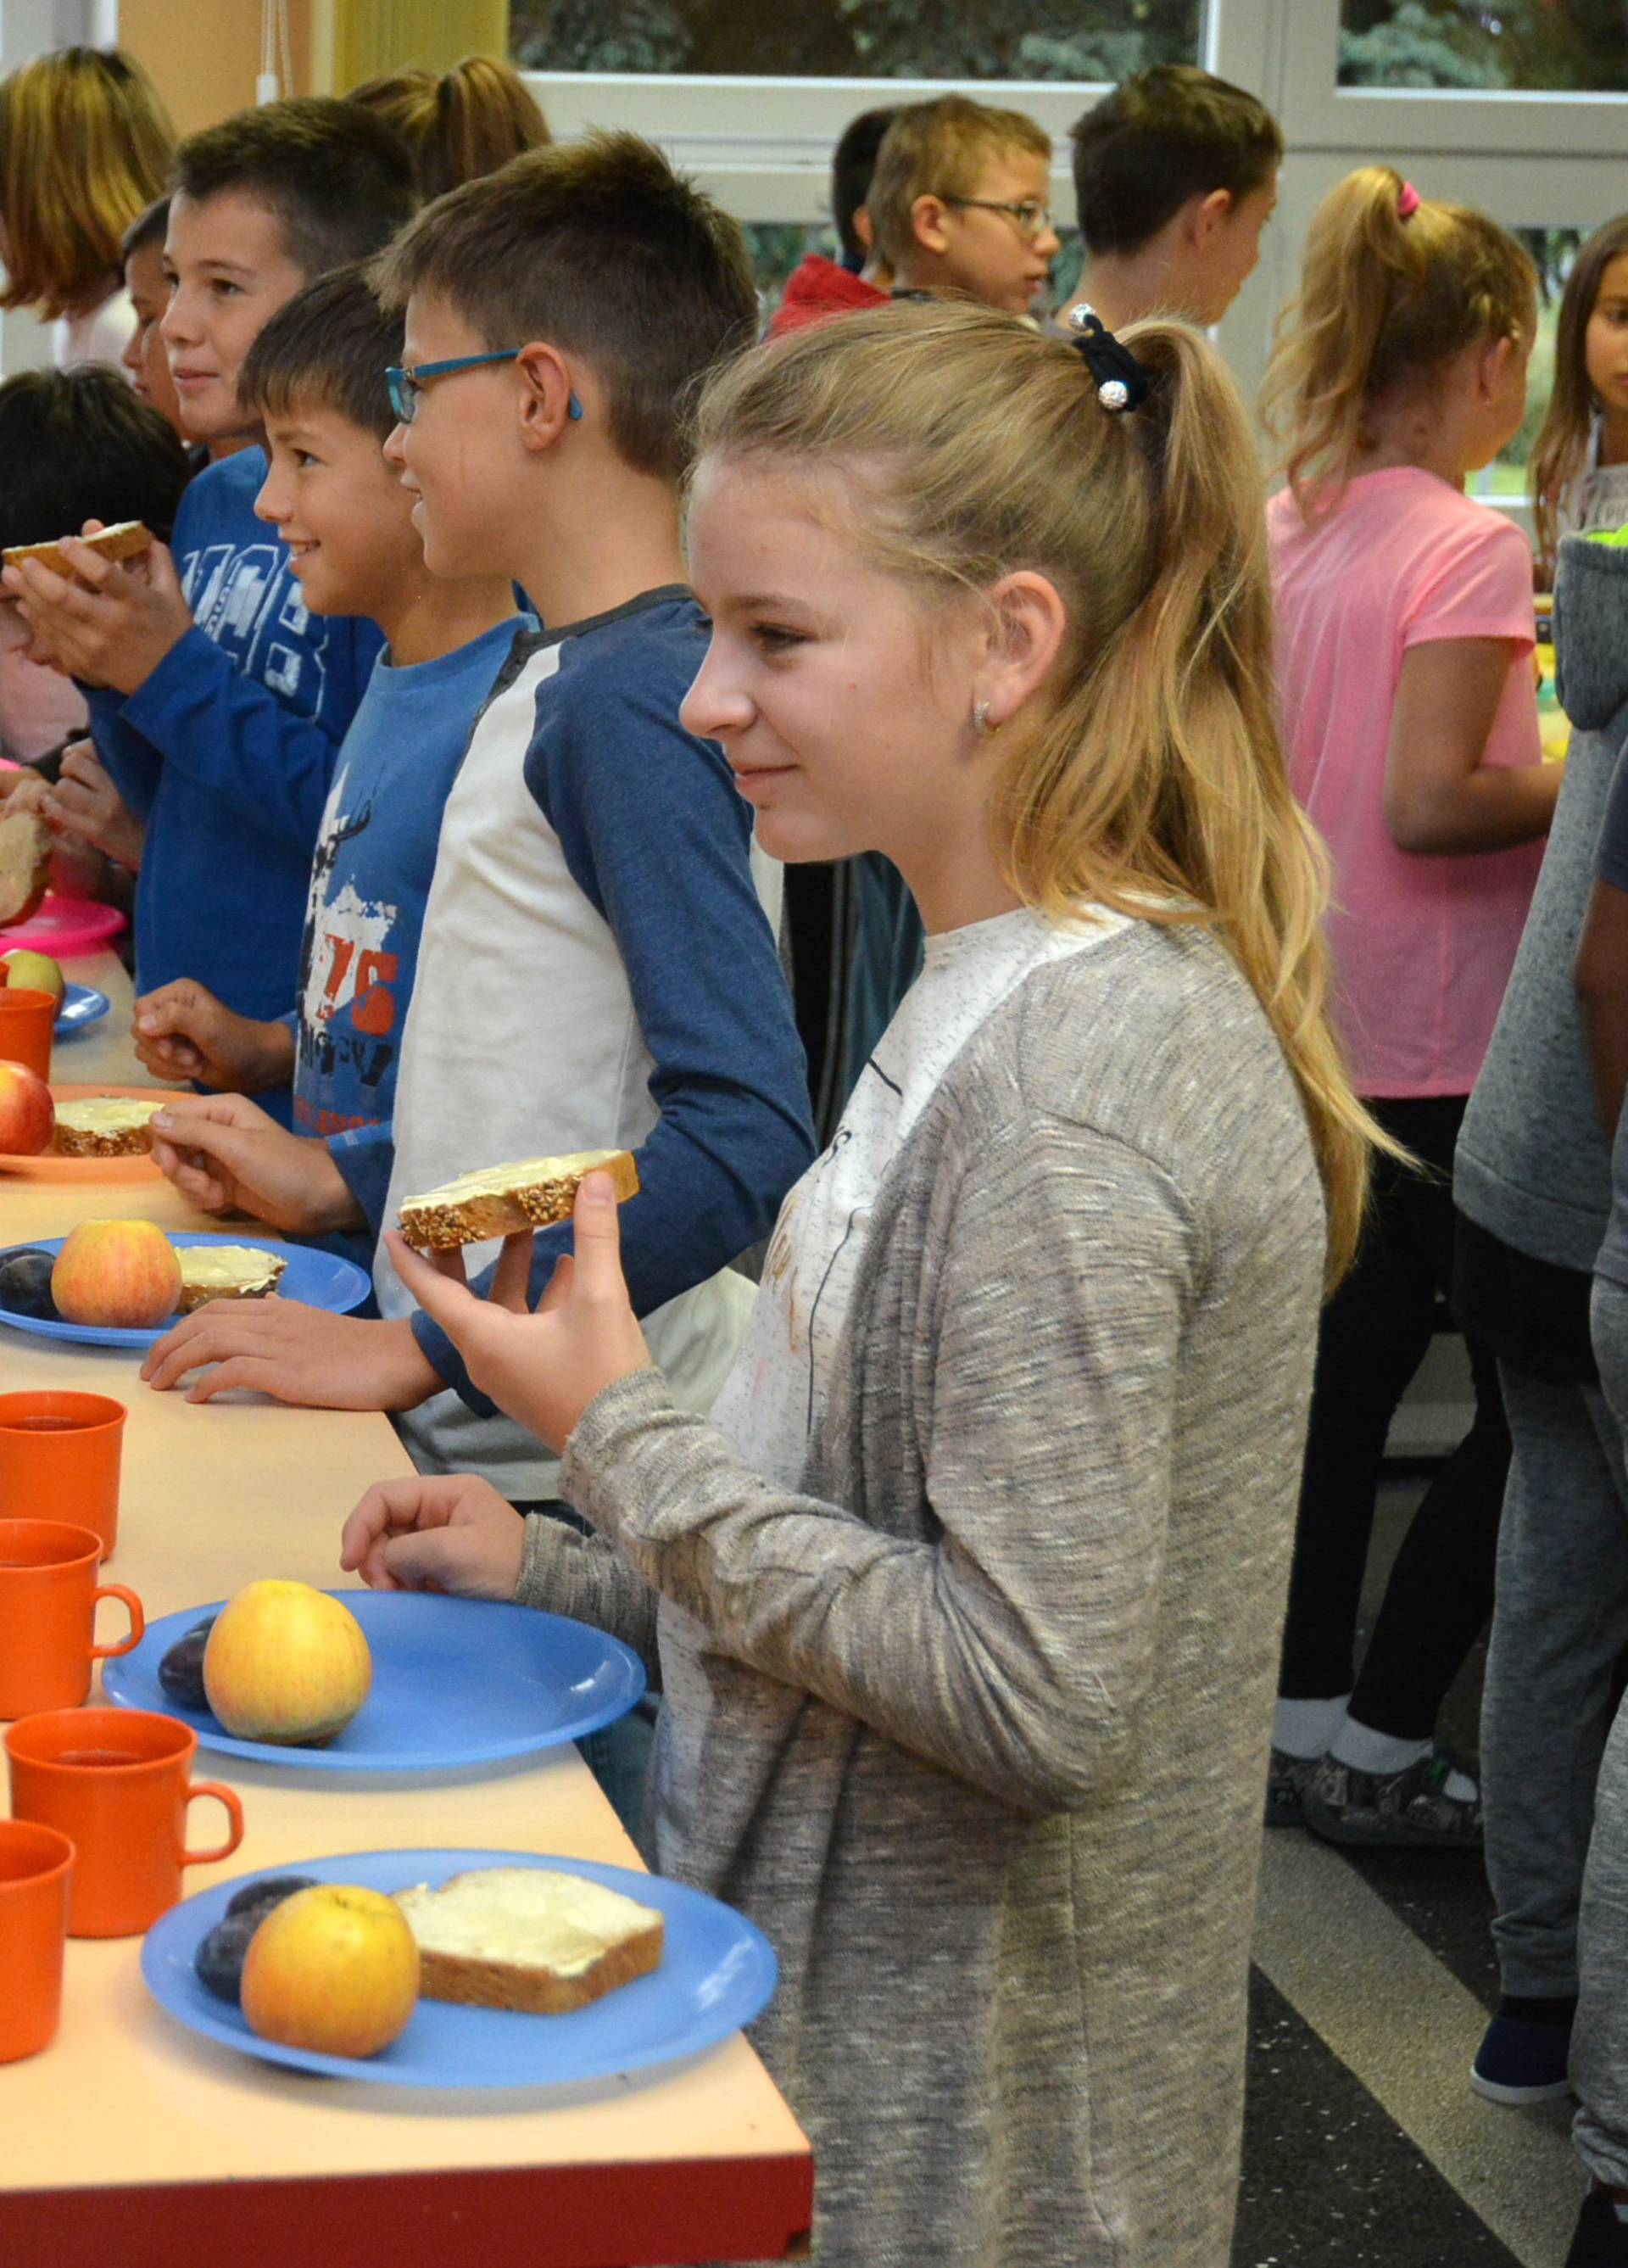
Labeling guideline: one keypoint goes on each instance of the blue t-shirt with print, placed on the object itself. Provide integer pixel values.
(369, 878)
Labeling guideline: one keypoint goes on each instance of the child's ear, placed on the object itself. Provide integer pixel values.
(1210, 212)
(928, 216)
(545, 400)
(1028, 623)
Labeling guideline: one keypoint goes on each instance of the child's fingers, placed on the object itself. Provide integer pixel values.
(559, 1286)
(511, 1278)
(453, 1305)
(598, 1271)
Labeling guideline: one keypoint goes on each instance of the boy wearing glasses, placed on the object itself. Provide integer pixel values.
(960, 203)
(595, 969)
(217, 699)
(317, 376)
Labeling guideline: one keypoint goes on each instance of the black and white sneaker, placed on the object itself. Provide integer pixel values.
(1393, 1809)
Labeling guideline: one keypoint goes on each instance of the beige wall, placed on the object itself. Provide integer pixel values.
(205, 60)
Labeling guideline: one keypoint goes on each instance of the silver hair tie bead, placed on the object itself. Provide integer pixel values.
(1114, 393)
(1081, 315)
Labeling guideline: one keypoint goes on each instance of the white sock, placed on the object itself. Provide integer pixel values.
(1306, 1729)
(1365, 1751)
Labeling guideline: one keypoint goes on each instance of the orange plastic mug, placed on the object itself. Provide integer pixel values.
(59, 1458)
(117, 1783)
(49, 1593)
(35, 1864)
(27, 1020)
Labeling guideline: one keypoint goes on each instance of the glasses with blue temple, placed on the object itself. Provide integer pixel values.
(405, 386)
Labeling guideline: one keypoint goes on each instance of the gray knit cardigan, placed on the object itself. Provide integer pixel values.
(976, 1726)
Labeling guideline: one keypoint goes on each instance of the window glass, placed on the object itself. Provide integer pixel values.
(1576, 46)
(964, 39)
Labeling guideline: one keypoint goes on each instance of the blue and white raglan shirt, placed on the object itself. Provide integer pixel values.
(372, 873)
(595, 971)
(226, 752)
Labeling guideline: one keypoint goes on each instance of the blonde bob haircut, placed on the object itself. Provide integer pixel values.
(85, 145)
(1385, 300)
(957, 445)
(458, 124)
(940, 149)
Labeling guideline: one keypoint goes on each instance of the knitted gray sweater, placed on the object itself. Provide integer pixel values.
(1532, 1164)
(976, 1726)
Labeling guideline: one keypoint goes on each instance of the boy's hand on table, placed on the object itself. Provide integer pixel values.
(226, 1155)
(182, 1031)
(452, 1533)
(295, 1353)
(117, 631)
(544, 1369)
(84, 803)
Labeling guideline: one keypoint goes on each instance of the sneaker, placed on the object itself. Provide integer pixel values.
(1413, 1807)
(1287, 1778)
(1520, 2062)
(1599, 2239)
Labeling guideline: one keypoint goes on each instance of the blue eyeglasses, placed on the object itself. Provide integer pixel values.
(405, 386)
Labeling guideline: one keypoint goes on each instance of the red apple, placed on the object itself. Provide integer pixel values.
(27, 1114)
(32, 972)
(286, 1663)
(119, 1273)
(333, 1967)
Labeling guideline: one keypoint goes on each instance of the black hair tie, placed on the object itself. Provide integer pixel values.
(1122, 382)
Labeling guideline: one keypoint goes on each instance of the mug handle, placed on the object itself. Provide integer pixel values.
(234, 1812)
(138, 1621)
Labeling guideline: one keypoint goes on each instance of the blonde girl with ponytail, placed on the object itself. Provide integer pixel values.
(1405, 628)
(966, 1601)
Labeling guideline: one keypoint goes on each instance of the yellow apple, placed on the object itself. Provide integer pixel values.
(286, 1663)
(333, 1967)
(32, 972)
(117, 1273)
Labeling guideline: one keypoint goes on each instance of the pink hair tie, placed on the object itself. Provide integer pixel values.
(1407, 201)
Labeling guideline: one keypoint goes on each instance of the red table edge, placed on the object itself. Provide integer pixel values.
(651, 2214)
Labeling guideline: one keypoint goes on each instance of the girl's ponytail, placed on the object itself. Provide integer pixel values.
(1393, 287)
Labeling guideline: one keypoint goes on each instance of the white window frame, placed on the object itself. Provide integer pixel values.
(762, 146)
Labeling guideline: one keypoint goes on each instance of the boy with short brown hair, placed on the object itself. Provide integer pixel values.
(960, 202)
(1175, 174)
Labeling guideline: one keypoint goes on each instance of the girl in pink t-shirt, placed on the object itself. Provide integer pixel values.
(1404, 637)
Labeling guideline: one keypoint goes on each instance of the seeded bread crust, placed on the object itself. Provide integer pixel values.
(125, 541)
(84, 1142)
(200, 1295)
(500, 1212)
(477, 1984)
(25, 865)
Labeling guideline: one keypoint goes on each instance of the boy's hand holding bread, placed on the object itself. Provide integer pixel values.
(543, 1369)
(105, 621)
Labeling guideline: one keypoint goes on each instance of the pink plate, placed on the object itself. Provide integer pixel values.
(65, 926)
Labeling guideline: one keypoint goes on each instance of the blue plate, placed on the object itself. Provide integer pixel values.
(455, 1682)
(80, 1006)
(321, 1279)
(717, 1971)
